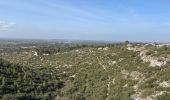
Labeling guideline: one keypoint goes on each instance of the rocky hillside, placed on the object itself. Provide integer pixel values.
(128, 71)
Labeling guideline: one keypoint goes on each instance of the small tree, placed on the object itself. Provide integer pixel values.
(127, 42)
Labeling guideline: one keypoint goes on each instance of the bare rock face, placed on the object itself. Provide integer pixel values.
(46, 54)
(106, 48)
(165, 84)
(113, 81)
(135, 75)
(143, 53)
(154, 63)
(35, 53)
(99, 48)
(73, 76)
(130, 48)
(125, 74)
(112, 62)
(129, 45)
(147, 58)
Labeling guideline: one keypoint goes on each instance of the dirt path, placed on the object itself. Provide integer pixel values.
(104, 67)
(108, 88)
(109, 78)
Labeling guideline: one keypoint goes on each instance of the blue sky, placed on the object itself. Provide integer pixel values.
(115, 20)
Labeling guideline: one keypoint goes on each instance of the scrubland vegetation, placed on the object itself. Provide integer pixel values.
(79, 71)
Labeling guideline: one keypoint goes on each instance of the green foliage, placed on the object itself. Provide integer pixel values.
(165, 96)
(147, 92)
(79, 71)
(127, 42)
(27, 83)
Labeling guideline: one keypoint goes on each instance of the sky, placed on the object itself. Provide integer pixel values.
(110, 20)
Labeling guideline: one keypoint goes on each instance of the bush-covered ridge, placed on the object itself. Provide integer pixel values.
(25, 83)
(122, 71)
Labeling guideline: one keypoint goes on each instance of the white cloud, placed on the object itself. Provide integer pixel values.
(6, 25)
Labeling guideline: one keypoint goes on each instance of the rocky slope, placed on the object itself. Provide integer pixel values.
(135, 71)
